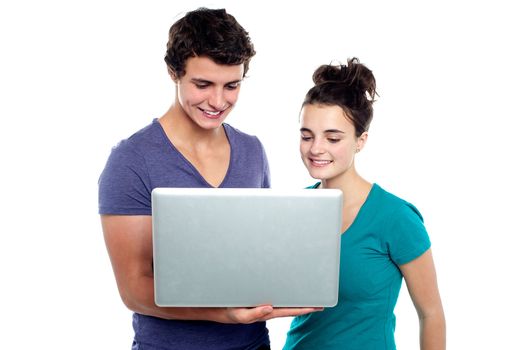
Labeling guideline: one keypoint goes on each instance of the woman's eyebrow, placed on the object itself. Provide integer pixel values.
(328, 131)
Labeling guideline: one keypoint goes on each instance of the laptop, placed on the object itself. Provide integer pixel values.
(218, 247)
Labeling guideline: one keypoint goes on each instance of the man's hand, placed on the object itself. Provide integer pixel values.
(263, 313)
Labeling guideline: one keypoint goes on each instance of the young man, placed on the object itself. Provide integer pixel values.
(208, 55)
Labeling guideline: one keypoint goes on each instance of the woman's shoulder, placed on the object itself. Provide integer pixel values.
(392, 203)
(314, 186)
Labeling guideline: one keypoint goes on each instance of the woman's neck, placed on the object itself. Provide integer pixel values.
(355, 191)
(354, 187)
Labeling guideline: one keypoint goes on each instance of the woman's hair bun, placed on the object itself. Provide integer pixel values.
(358, 78)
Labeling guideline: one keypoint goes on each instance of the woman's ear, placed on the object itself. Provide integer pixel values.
(361, 141)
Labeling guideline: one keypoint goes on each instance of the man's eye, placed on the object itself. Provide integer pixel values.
(232, 86)
(201, 86)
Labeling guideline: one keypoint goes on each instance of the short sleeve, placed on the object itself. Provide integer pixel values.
(124, 186)
(408, 237)
(266, 170)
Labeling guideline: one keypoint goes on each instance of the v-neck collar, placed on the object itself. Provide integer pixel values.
(190, 165)
(364, 206)
(362, 209)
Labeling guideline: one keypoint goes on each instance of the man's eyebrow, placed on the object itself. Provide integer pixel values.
(204, 81)
(199, 80)
(234, 82)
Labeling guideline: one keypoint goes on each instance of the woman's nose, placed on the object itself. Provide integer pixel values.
(317, 147)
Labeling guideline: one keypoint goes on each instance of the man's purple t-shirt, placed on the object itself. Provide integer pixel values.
(148, 160)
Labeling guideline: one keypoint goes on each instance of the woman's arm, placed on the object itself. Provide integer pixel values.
(129, 243)
(421, 281)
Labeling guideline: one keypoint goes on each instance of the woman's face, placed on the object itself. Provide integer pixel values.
(208, 91)
(328, 142)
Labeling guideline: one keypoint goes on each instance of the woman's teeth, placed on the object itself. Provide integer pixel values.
(320, 162)
(212, 113)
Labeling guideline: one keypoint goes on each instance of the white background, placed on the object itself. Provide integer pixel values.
(76, 77)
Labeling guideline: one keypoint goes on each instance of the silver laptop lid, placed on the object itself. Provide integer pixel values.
(246, 247)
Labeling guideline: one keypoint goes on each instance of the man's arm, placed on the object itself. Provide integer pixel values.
(129, 243)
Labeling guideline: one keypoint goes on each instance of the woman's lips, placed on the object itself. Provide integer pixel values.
(320, 162)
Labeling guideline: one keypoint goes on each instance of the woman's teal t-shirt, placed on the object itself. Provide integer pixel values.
(387, 232)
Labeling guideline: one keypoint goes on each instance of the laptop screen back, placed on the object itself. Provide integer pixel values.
(246, 247)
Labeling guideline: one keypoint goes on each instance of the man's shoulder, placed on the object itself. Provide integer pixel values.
(239, 137)
(140, 141)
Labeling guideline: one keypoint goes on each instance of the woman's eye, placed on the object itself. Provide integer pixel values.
(333, 140)
(306, 138)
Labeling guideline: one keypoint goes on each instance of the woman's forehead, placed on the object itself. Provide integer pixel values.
(320, 118)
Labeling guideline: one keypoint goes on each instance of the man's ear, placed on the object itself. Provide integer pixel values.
(172, 74)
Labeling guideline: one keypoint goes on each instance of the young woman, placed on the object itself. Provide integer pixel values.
(383, 236)
(207, 56)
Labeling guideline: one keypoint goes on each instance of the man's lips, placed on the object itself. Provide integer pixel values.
(212, 114)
